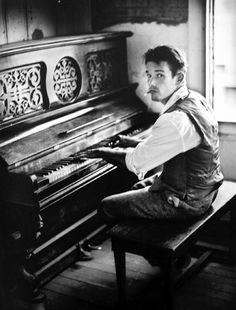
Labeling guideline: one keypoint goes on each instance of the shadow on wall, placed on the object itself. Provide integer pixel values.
(37, 34)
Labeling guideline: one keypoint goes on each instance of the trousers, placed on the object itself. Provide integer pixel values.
(143, 203)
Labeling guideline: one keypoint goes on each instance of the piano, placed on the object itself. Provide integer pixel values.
(58, 97)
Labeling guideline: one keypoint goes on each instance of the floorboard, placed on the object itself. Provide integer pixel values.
(91, 285)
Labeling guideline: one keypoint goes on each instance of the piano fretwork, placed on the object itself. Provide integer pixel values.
(42, 140)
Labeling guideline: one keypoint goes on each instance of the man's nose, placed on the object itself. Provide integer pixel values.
(152, 81)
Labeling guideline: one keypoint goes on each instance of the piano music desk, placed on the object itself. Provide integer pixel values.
(166, 241)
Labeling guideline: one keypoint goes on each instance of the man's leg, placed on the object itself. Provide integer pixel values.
(139, 203)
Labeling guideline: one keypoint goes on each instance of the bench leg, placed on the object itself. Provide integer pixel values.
(119, 257)
(167, 272)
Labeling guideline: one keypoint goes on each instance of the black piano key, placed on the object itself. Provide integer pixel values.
(46, 171)
(55, 167)
(64, 162)
(39, 173)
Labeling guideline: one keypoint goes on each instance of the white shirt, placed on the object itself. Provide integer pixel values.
(172, 133)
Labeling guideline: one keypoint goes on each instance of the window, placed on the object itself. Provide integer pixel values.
(224, 59)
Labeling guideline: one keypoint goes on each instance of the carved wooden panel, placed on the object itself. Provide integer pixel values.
(21, 90)
(102, 70)
(67, 79)
(59, 71)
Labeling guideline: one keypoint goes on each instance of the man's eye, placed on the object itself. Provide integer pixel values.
(159, 75)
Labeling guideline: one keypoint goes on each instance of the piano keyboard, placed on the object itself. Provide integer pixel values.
(62, 169)
(76, 165)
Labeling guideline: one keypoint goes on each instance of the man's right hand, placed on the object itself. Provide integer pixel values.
(145, 182)
(125, 141)
(115, 156)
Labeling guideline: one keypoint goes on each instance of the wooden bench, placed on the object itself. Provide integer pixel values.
(166, 241)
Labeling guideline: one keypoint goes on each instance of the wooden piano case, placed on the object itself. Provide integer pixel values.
(57, 97)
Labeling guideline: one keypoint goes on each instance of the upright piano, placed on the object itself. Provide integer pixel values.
(58, 97)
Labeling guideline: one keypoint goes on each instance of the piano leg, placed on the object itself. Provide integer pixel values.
(17, 285)
(30, 284)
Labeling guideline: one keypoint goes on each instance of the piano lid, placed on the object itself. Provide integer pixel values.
(28, 46)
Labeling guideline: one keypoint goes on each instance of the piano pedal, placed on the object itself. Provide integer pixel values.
(83, 255)
(87, 246)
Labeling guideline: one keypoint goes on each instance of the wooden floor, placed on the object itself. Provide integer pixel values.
(92, 286)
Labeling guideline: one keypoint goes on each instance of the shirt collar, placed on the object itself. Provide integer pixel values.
(180, 93)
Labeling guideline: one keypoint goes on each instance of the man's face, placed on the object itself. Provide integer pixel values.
(161, 83)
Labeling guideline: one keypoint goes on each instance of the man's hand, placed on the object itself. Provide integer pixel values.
(115, 156)
(146, 182)
(93, 153)
(125, 141)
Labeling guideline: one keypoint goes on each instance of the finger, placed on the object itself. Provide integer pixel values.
(139, 185)
(121, 136)
(85, 154)
(88, 154)
(104, 143)
(93, 153)
(79, 159)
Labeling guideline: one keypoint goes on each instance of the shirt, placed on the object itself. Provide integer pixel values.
(172, 133)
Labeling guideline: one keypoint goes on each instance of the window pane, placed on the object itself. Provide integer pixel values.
(225, 60)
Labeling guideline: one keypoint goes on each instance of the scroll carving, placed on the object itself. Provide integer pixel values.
(101, 70)
(20, 91)
(67, 79)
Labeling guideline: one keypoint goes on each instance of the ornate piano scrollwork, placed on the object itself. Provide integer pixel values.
(21, 91)
(67, 79)
(101, 70)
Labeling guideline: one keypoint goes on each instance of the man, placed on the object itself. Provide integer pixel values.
(184, 139)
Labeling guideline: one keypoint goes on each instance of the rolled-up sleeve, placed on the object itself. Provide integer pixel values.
(172, 134)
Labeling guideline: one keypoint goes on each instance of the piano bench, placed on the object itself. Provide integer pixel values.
(166, 241)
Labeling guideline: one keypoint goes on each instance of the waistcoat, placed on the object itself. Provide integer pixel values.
(195, 173)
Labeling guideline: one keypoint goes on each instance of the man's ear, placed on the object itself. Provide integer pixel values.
(180, 77)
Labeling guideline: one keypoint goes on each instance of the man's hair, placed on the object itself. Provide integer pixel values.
(175, 57)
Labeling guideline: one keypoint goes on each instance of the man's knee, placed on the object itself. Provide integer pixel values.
(104, 210)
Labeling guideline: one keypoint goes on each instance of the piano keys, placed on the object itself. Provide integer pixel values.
(59, 97)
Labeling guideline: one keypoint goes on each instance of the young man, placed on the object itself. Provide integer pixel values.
(184, 139)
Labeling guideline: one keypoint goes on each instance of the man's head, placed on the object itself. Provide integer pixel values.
(166, 68)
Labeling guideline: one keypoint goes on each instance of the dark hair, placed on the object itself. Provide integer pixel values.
(173, 56)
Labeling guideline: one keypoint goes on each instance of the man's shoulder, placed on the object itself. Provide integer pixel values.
(177, 118)
(195, 95)
(194, 101)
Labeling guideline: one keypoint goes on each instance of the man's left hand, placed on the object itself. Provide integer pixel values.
(92, 153)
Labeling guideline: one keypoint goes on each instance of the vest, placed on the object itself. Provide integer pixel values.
(196, 173)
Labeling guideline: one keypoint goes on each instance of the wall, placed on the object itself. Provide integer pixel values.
(186, 33)
(228, 149)
(152, 22)
(225, 61)
(22, 20)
